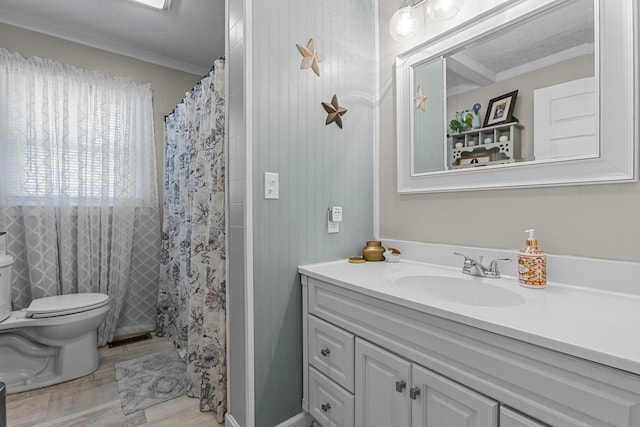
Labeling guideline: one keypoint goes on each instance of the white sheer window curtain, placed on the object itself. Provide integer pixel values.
(78, 189)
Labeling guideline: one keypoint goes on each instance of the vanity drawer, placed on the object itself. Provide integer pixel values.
(330, 404)
(510, 418)
(331, 351)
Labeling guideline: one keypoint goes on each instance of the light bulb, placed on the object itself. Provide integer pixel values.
(402, 25)
(442, 10)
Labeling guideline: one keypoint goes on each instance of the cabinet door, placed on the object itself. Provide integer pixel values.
(438, 401)
(510, 418)
(382, 387)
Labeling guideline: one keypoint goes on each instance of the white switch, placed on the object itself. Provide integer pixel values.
(271, 185)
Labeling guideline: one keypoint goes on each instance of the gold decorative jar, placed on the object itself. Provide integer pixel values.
(373, 251)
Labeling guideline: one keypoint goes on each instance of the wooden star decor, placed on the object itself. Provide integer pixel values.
(420, 99)
(334, 112)
(310, 58)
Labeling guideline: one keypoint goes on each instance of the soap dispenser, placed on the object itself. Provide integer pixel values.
(532, 264)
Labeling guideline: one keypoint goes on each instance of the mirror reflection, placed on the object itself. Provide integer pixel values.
(525, 93)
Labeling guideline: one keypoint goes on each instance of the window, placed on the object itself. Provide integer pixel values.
(74, 134)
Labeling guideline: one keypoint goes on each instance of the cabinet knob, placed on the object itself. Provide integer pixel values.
(325, 352)
(414, 392)
(325, 407)
(400, 385)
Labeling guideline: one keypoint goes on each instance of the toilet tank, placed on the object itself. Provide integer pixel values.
(6, 262)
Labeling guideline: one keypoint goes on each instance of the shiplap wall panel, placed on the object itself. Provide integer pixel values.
(319, 166)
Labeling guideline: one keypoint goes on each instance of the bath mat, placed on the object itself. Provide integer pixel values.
(151, 379)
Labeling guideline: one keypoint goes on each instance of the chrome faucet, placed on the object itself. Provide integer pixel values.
(476, 268)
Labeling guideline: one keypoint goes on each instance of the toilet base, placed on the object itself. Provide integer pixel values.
(31, 362)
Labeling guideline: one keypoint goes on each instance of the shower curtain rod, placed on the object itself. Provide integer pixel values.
(213, 67)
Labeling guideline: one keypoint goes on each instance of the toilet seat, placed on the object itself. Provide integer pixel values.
(62, 305)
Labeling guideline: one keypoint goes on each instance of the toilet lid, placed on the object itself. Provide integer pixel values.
(61, 305)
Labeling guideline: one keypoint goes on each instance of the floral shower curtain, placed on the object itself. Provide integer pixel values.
(191, 304)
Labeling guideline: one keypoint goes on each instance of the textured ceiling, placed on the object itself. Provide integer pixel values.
(188, 37)
(563, 32)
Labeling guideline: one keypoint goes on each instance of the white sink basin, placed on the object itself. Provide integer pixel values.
(460, 290)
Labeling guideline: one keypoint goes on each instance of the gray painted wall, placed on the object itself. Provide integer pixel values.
(319, 166)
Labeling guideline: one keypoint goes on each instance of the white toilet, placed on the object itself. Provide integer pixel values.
(51, 341)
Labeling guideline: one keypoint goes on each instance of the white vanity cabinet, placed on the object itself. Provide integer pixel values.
(390, 364)
(391, 391)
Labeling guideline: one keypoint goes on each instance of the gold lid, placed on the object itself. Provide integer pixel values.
(356, 259)
(532, 242)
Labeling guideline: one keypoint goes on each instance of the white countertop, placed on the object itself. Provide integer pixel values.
(592, 324)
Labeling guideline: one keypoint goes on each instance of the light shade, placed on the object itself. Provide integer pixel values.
(441, 10)
(158, 4)
(402, 25)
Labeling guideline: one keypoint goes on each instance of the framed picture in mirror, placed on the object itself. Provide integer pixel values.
(500, 109)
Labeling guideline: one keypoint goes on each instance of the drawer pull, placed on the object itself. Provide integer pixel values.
(325, 352)
(414, 392)
(400, 385)
(325, 407)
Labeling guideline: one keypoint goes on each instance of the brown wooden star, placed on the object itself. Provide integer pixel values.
(334, 111)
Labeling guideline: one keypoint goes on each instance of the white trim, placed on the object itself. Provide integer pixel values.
(301, 420)
(86, 39)
(376, 123)
(305, 347)
(229, 421)
(227, 216)
(248, 249)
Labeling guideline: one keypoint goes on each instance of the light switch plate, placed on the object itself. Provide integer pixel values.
(271, 185)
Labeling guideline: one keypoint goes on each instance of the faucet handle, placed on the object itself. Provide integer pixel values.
(468, 262)
(493, 267)
(467, 259)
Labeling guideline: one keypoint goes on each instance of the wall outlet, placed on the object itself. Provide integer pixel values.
(335, 213)
(334, 216)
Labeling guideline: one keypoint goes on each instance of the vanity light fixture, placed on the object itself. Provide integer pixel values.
(402, 24)
(441, 10)
(158, 4)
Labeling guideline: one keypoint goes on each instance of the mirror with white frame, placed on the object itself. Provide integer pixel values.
(536, 93)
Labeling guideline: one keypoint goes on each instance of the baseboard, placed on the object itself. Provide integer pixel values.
(229, 421)
(303, 419)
